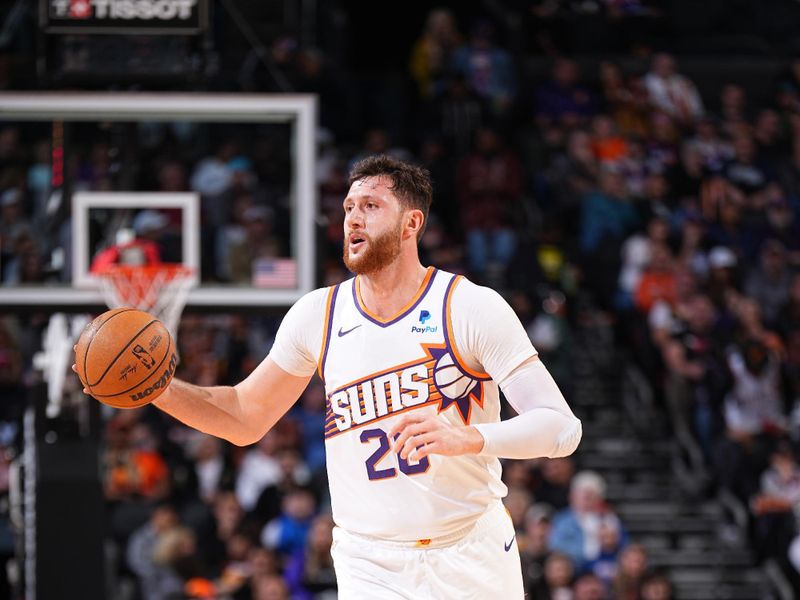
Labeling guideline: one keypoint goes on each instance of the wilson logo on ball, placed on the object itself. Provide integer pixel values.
(161, 381)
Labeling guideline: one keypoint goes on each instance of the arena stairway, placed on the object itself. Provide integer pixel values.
(693, 541)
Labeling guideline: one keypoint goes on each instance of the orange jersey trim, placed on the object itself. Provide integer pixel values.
(451, 338)
(409, 305)
(326, 334)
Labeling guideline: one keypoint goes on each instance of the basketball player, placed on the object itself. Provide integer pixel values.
(412, 358)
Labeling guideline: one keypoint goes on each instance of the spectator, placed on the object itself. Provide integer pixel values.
(631, 573)
(713, 149)
(769, 283)
(637, 253)
(490, 182)
(432, 51)
(534, 548)
(734, 113)
(489, 70)
(698, 372)
(557, 581)
(657, 281)
(259, 469)
(576, 530)
(310, 572)
(270, 587)
(626, 101)
(776, 503)
(782, 225)
(656, 587)
(554, 484)
(607, 217)
(287, 533)
(753, 414)
(141, 546)
(564, 101)
(589, 587)
(671, 92)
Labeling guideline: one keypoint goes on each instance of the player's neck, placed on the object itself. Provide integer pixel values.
(386, 292)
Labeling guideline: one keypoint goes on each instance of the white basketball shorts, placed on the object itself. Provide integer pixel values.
(480, 563)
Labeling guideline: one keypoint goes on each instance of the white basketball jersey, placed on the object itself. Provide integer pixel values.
(376, 370)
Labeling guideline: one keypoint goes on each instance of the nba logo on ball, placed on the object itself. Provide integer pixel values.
(450, 380)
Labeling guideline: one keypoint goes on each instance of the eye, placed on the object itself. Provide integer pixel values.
(371, 205)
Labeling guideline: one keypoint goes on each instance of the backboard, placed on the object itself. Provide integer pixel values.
(234, 173)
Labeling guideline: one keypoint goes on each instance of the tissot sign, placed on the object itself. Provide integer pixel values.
(124, 16)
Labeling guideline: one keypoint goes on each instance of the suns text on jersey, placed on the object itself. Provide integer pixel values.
(381, 394)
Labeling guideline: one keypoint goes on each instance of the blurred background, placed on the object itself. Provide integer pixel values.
(625, 172)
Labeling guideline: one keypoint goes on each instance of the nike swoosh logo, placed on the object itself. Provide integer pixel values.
(343, 333)
(508, 545)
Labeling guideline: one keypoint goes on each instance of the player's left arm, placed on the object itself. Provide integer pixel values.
(489, 335)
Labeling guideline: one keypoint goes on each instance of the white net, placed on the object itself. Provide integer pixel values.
(161, 290)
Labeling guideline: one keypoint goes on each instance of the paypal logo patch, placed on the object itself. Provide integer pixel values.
(424, 315)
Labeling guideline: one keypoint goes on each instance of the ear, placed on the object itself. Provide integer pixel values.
(414, 221)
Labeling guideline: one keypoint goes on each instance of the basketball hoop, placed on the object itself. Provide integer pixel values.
(160, 289)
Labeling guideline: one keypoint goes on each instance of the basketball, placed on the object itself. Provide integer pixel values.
(125, 358)
(451, 381)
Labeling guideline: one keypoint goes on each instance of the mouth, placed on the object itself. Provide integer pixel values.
(356, 241)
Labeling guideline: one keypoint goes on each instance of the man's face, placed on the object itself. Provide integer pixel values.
(373, 221)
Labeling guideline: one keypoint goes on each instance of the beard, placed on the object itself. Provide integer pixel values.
(378, 253)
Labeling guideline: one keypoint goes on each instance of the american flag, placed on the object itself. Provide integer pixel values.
(274, 273)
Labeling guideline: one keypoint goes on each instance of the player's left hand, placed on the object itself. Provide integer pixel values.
(428, 434)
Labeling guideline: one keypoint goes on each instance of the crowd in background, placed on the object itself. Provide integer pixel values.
(677, 214)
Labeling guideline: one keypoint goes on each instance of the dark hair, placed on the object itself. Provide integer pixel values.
(410, 183)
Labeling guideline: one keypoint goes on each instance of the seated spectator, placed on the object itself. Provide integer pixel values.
(754, 415)
(712, 148)
(657, 281)
(564, 100)
(177, 562)
(557, 581)
(783, 226)
(533, 544)
(746, 170)
(697, 372)
(589, 587)
(490, 186)
(309, 572)
(608, 146)
(135, 474)
(630, 573)
(270, 587)
(606, 565)
(259, 469)
(576, 530)
(656, 587)
(768, 283)
(734, 113)
(637, 254)
(672, 92)
(488, 69)
(776, 503)
(431, 52)
(287, 533)
(141, 546)
(626, 101)
(555, 475)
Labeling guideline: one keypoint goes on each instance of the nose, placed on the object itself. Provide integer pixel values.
(354, 219)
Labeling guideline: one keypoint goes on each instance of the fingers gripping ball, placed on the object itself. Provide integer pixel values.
(126, 358)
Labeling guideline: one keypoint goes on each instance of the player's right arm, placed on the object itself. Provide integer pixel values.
(242, 414)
